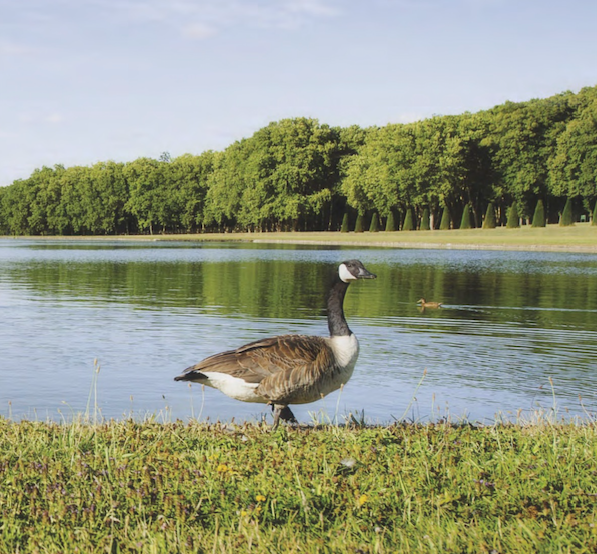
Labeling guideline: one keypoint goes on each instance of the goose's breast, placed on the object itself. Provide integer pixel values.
(346, 352)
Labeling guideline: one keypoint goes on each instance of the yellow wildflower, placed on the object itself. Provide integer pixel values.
(260, 498)
(222, 468)
(362, 499)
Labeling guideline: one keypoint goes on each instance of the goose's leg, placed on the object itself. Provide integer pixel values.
(276, 409)
(282, 412)
(287, 415)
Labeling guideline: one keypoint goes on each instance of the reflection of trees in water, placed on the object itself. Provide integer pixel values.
(296, 289)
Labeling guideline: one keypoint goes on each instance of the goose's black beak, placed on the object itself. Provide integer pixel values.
(364, 274)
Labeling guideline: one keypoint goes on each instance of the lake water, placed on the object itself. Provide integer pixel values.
(145, 311)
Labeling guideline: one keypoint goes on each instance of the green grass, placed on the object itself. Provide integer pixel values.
(581, 237)
(552, 237)
(174, 487)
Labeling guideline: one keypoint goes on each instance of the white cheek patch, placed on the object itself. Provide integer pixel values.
(345, 275)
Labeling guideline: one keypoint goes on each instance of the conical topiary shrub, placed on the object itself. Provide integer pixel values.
(566, 217)
(358, 228)
(595, 215)
(344, 228)
(489, 221)
(391, 222)
(446, 220)
(465, 222)
(409, 222)
(374, 227)
(539, 215)
(425, 220)
(513, 222)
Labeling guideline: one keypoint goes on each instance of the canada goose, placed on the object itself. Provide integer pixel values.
(425, 304)
(289, 369)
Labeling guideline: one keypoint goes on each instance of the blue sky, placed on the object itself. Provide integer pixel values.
(83, 81)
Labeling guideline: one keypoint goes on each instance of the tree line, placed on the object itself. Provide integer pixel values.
(531, 161)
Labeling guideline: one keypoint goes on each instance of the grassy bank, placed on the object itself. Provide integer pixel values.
(581, 237)
(148, 487)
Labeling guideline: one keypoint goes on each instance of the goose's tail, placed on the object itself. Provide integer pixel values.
(191, 375)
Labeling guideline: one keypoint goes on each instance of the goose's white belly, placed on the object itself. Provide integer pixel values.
(233, 387)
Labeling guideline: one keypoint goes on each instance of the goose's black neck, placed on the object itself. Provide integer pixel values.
(336, 320)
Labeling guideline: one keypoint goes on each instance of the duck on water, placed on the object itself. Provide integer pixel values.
(425, 304)
(289, 369)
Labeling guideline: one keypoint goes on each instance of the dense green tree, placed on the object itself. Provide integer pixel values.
(112, 195)
(29, 204)
(489, 221)
(450, 164)
(192, 174)
(373, 179)
(350, 141)
(75, 212)
(594, 222)
(47, 202)
(413, 165)
(522, 136)
(283, 177)
(153, 200)
(226, 185)
(4, 228)
(16, 207)
(539, 215)
(573, 165)
(479, 171)
(292, 171)
(91, 200)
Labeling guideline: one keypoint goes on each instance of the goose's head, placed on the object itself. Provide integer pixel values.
(353, 269)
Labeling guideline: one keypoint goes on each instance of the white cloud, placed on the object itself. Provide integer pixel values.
(11, 49)
(204, 19)
(54, 118)
(312, 7)
(198, 19)
(198, 31)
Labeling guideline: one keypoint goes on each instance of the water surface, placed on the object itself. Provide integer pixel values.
(510, 322)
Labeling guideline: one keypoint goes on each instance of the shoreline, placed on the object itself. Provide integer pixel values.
(580, 238)
(442, 246)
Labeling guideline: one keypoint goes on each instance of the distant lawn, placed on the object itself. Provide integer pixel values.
(581, 237)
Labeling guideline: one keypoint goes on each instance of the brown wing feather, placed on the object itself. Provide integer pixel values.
(277, 363)
(300, 381)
